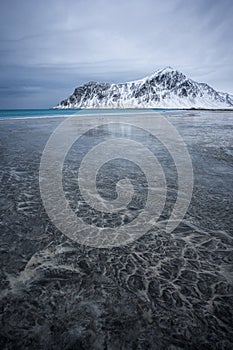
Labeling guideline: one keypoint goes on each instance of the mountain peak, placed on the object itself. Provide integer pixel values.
(166, 70)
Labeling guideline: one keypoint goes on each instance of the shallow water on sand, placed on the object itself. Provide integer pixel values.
(163, 291)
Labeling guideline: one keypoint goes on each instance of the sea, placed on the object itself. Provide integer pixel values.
(50, 113)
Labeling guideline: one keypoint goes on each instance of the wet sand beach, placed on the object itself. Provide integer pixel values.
(162, 291)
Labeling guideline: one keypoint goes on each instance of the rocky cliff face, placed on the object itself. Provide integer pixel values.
(166, 88)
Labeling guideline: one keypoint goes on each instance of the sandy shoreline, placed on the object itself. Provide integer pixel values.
(169, 289)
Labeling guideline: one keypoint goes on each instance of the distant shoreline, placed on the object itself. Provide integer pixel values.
(29, 114)
(115, 109)
(146, 108)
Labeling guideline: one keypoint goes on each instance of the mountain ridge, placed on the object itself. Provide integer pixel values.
(165, 88)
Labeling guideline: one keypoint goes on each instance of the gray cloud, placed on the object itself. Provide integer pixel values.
(50, 47)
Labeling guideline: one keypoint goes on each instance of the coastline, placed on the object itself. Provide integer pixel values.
(14, 114)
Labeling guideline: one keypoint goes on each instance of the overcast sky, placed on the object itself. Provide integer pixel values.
(49, 47)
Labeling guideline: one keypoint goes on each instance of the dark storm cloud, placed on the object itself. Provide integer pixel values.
(49, 47)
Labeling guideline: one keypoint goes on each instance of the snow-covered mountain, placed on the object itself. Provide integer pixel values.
(166, 88)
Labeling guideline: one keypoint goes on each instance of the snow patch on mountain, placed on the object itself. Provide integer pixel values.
(166, 88)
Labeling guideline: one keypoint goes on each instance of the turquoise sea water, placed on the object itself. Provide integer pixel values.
(48, 113)
(34, 113)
